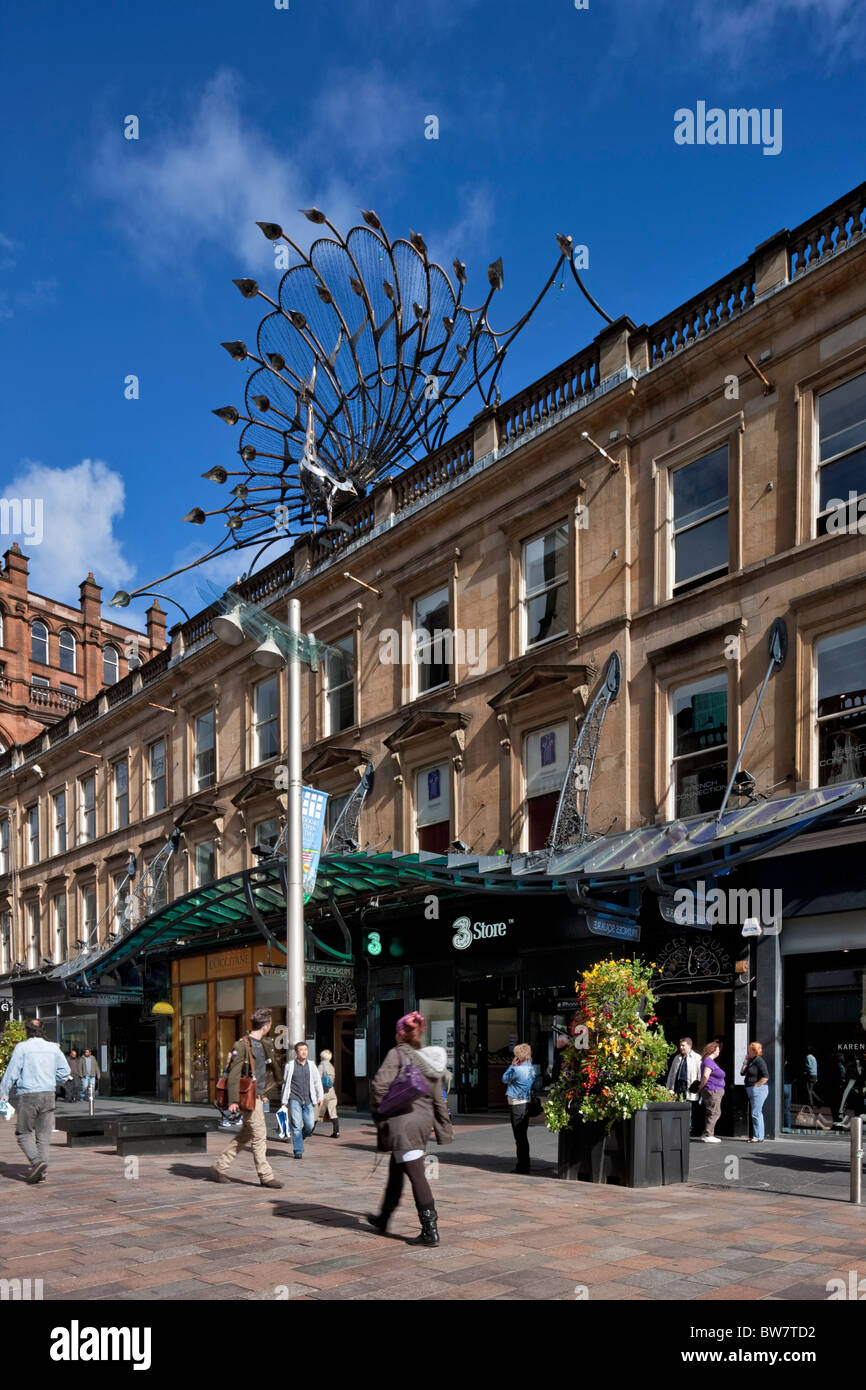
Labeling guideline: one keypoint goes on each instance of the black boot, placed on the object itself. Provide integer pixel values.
(429, 1229)
(335, 1131)
(380, 1222)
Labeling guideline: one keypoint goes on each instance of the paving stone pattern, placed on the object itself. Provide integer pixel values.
(106, 1228)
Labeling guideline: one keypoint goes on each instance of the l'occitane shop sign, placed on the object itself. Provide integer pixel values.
(228, 963)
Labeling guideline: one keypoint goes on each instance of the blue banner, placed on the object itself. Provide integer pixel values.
(313, 805)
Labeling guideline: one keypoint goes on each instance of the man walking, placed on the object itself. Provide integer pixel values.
(89, 1073)
(302, 1092)
(35, 1068)
(252, 1055)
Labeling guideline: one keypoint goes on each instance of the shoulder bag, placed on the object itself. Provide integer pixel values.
(407, 1087)
(246, 1086)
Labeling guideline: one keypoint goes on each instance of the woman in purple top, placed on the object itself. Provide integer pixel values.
(710, 1090)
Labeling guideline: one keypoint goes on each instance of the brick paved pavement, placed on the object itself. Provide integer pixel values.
(99, 1230)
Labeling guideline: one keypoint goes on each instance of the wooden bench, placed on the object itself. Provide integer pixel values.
(91, 1129)
(160, 1134)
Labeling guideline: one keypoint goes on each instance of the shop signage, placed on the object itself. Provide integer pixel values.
(229, 963)
(313, 970)
(97, 996)
(607, 926)
(466, 931)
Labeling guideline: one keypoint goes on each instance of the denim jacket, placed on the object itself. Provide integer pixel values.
(522, 1080)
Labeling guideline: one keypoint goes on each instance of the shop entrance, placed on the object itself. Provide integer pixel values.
(229, 1029)
(488, 1033)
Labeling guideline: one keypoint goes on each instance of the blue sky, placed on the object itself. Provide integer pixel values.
(117, 256)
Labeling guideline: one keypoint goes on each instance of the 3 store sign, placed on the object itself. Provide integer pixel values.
(466, 931)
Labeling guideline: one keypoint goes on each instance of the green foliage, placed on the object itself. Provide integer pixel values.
(12, 1033)
(615, 1058)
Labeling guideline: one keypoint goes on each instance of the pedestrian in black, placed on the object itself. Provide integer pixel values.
(521, 1079)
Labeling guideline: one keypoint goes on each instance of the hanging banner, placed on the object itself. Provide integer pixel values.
(313, 805)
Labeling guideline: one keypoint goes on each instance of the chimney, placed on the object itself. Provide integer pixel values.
(156, 627)
(16, 567)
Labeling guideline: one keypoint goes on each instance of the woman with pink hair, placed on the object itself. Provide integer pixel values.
(414, 1109)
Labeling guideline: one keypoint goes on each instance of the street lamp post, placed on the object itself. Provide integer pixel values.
(295, 984)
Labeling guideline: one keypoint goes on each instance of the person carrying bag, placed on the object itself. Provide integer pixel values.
(254, 1078)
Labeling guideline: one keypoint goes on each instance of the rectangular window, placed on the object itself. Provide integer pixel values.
(121, 795)
(41, 682)
(545, 587)
(333, 811)
(88, 915)
(156, 796)
(433, 809)
(4, 846)
(841, 664)
(340, 686)
(700, 743)
(88, 808)
(266, 722)
(433, 641)
(68, 689)
(547, 753)
(59, 803)
(205, 863)
(205, 751)
(60, 945)
(33, 834)
(841, 447)
(121, 898)
(159, 898)
(265, 834)
(700, 520)
(33, 943)
(5, 942)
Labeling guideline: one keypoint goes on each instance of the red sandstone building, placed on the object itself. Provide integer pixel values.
(54, 657)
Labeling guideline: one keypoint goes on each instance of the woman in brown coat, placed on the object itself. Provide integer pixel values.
(405, 1136)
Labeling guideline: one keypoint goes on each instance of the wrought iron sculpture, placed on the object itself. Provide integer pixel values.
(343, 839)
(358, 367)
(570, 824)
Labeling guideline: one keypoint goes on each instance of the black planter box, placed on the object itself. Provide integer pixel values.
(649, 1150)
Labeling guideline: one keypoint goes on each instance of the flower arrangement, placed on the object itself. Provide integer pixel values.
(614, 1059)
(13, 1033)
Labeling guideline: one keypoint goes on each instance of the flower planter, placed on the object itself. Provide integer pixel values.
(649, 1150)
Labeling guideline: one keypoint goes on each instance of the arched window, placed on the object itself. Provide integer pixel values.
(39, 643)
(1, 627)
(109, 666)
(67, 650)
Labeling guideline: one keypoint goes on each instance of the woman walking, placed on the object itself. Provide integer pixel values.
(404, 1136)
(757, 1079)
(522, 1078)
(710, 1091)
(328, 1107)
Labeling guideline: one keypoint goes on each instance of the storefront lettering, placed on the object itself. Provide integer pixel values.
(465, 931)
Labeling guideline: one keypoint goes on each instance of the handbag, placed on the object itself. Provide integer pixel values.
(407, 1087)
(246, 1086)
(535, 1106)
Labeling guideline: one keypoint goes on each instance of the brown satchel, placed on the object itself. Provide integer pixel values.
(246, 1087)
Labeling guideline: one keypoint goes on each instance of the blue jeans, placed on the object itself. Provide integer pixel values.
(757, 1095)
(88, 1084)
(303, 1119)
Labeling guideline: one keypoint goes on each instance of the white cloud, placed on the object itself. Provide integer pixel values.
(80, 507)
(208, 183)
(835, 27)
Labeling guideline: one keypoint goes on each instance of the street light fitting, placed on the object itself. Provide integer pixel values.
(217, 474)
(237, 351)
(121, 599)
(196, 517)
(271, 230)
(248, 288)
(228, 413)
(269, 655)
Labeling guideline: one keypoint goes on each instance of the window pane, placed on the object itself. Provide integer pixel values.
(109, 666)
(266, 704)
(846, 475)
(432, 799)
(547, 615)
(546, 560)
(205, 862)
(205, 761)
(700, 489)
(121, 796)
(339, 665)
(842, 417)
(842, 707)
(67, 651)
(341, 709)
(39, 643)
(700, 713)
(265, 833)
(702, 550)
(547, 753)
(157, 776)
